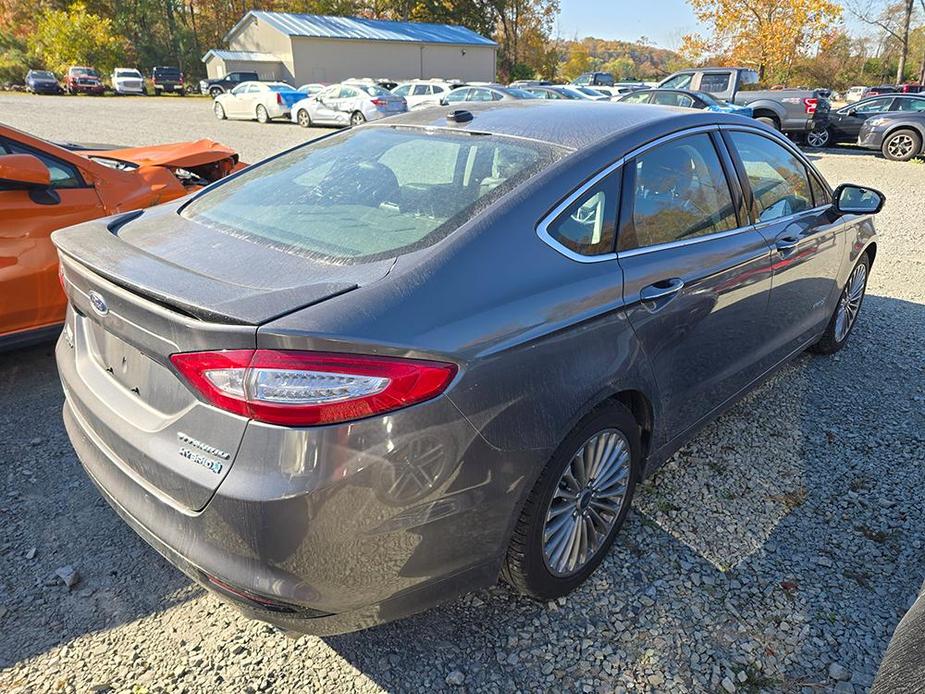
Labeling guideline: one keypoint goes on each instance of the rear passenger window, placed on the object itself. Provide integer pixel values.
(588, 225)
(679, 192)
(714, 82)
(778, 179)
(420, 90)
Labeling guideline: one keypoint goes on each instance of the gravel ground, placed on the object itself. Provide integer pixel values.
(776, 552)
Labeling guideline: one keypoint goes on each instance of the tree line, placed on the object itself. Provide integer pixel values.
(793, 42)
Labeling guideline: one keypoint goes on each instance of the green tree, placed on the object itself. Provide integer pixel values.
(579, 60)
(76, 36)
(13, 59)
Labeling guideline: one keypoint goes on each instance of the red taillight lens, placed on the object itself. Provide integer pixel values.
(307, 388)
(379, 102)
(279, 99)
(811, 104)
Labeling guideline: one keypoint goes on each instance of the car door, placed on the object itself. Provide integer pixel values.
(848, 121)
(234, 102)
(791, 208)
(323, 105)
(30, 295)
(697, 275)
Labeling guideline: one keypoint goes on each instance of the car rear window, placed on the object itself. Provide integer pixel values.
(369, 193)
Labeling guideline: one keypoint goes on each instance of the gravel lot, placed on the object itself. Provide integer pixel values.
(776, 552)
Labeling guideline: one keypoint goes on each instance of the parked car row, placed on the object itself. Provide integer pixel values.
(123, 81)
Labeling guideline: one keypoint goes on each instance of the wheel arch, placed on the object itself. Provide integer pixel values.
(914, 127)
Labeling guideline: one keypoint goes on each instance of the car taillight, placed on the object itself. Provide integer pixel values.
(811, 104)
(379, 102)
(307, 388)
(279, 98)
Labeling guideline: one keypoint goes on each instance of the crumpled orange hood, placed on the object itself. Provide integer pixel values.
(178, 155)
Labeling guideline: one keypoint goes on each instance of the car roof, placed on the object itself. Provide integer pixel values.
(566, 123)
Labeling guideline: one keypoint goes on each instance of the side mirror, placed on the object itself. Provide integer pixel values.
(24, 171)
(852, 199)
(851, 112)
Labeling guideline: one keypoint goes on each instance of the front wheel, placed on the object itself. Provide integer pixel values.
(357, 118)
(846, 311)
(576, 507)
(214, 92)
(303, 118)
(819, 138)
(902, 145)
(262, 115)
(218, 111)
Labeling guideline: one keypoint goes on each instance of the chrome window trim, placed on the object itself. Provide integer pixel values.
(542, 229)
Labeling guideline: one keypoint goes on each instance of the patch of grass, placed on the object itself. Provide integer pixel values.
(792, 499)
(757, 681)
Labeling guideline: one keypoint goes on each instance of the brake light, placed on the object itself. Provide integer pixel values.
(279, 98)
(307, 388)
(379, 102)
(811, 104)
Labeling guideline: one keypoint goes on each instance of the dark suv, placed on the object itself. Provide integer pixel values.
(167, 79)
(592, 79)
(219, 85)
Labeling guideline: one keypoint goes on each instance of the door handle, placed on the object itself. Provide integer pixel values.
(661, 290)
(786, 245)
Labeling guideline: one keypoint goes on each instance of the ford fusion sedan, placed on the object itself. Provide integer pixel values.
(259, 101)
(899, 135)
(386, 367)
(347, 103)
(685, 99)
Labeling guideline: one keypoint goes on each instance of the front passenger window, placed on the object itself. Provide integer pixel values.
(679, 192)
(777, 178)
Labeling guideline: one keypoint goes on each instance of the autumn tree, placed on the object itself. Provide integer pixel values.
(76, 36)
(769, 35)
(894, 19)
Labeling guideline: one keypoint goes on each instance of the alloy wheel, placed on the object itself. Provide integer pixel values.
(304, 120)
(850, 302)
(357, 119)
(900, 146)
(586, 503)
(818, 138)
(262, 115)
(219, 111)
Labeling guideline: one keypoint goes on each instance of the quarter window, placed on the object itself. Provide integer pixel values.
(679, 191)
(588, 225)
(777, 178)
(910, 104)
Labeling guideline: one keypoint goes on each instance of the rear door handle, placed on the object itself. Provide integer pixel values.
(662, 290)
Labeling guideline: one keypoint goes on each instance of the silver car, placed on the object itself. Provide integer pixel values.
(260, 101)
(383, 368)
(347, 103)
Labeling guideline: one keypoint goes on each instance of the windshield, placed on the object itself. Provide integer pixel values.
(167, 71)
(84, 72)
(369, 193)
(128, 73)
(43, 74)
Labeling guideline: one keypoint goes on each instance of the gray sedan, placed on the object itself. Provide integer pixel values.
(379, 370)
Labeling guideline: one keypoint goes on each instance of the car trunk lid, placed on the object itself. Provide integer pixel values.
(141, 292)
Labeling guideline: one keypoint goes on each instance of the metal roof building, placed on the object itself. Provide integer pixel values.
(301, 48)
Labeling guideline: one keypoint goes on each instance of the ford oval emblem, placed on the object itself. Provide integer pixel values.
(99, 303)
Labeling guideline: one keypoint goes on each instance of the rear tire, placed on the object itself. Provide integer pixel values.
(262, 115)
(902, 145)
(219, 111)
(846, 310)
(357, 118)
(596, 501)
(303, 118)
(215, 91)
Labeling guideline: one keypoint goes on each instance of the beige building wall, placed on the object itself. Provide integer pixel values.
(218, 67)
(260, 37)
(333, 60)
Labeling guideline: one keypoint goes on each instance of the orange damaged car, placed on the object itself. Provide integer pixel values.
(44, 187)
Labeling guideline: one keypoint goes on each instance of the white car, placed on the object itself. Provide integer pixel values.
(127, 80)
(856, 94)
(348, 103)
(260, 101)
(421, 93)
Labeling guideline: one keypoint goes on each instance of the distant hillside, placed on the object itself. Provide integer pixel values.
(624, 59)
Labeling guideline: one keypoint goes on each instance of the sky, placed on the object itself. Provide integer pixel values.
(664, 22)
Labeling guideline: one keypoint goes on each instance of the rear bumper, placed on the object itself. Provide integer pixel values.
(314, 523)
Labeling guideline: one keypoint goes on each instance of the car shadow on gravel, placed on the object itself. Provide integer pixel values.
(52, 516)
(786, 537)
